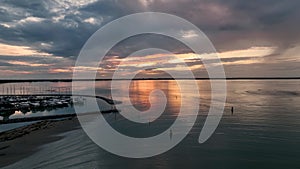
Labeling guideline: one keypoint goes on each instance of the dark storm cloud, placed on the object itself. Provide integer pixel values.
(66, 35)
(240, 24)
(34, 8)
(145, 41)
(64, 41)
(230, 24)
(105, 8)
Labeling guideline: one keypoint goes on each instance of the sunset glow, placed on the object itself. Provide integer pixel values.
(48, 43)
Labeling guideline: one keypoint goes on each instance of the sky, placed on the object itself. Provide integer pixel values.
(42, 39)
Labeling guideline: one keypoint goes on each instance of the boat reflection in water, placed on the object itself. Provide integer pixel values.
(10, 105)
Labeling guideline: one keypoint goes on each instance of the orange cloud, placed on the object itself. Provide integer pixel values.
(12, 50)
(248, 56)
(22, 63)
(13, 72)
(58, 70)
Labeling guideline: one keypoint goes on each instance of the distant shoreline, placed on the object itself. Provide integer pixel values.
(138, 79)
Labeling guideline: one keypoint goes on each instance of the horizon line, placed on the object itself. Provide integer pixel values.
(136, 79)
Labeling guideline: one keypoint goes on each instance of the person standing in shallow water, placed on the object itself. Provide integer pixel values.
(171, 134)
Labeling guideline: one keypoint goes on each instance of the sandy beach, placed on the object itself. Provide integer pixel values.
(22, 142)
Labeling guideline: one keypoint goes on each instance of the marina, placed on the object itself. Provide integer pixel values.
(32, 98)
(34, 103)
(24, 104)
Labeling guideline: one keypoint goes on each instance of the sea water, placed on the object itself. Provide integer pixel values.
(263, 131)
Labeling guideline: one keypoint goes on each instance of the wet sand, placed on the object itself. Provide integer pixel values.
(22, 142)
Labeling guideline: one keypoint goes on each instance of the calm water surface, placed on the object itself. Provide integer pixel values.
(263, 132)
